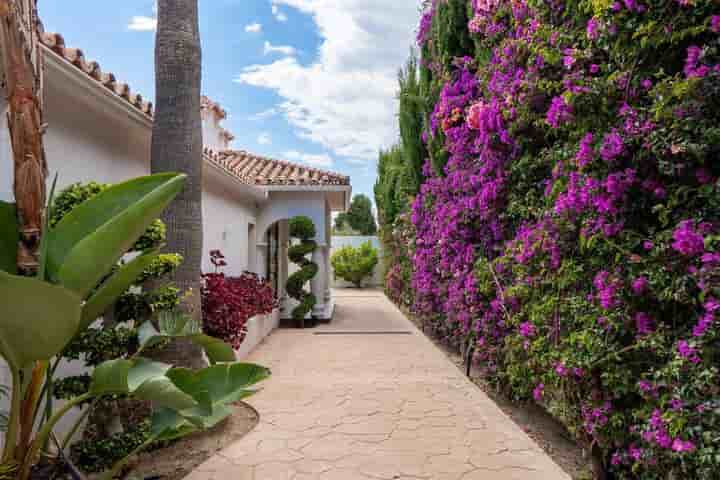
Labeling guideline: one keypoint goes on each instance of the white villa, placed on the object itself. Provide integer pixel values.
(99, 129)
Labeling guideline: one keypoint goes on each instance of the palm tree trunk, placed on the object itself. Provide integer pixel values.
(177, 147)
(21, 63)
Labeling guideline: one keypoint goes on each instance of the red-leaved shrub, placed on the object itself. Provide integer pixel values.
(229, 302)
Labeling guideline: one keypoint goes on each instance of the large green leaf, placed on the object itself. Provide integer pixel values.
(38, 319)
(144, 370)
(111, 377)
(215, 387)
(163, 393)
(219, 386)
(141, 378)
(113, 287)
(174, 325)
(168, 425)
(9, 237)
(225, 383)
(88, 241)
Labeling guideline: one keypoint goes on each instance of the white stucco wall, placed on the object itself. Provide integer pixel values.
(226, 216)
(85, 144)
(286, 205)
(212, 131)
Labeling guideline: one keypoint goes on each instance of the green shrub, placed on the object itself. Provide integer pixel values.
(98, 454)
(302, 228)
(77, 193)
(117, 338)
(355, 264)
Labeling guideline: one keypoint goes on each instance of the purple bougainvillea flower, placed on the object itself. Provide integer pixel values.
(639, 285)
(593, 29)
(680, 445)
(715, 23)
(559, 113)
(687, 240)
(644, 324)
(538, 392)
(687, 351)
(613, 146)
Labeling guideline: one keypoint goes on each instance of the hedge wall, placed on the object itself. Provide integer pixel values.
(567, 224)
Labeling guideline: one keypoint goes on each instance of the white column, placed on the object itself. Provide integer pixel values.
(261, 260)
(327, 273)
(284, 269)
(328, 248)
(318, 283)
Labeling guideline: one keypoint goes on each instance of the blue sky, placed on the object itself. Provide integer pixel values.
(310, 81)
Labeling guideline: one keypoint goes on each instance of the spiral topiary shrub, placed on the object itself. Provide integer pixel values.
(302, 229)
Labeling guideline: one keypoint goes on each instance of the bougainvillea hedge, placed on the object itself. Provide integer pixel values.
(568, 223)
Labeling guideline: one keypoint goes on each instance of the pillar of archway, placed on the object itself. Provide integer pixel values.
(282, 207)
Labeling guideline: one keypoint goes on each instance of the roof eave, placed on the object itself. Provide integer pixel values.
(305, 188)
(257, 193)
(69, 72)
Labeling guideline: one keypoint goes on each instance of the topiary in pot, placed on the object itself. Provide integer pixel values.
(303, 229)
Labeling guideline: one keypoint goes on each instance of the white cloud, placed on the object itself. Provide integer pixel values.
(316, 160)
(286, 50)
(270, 112)
(279, 16)
(346, 99)
(264, 139)
(143, 24)
(253, 28)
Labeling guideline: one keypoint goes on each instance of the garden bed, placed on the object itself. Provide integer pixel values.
(178, 460)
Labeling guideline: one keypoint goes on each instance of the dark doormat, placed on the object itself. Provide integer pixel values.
(374, 332)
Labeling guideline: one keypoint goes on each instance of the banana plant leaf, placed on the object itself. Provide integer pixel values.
(224, 383)
(38, 319)
(9, 237)
(88, 242)
(168, 425)
(113, 287)
(220, 385)
(174, 325)
(141, 378)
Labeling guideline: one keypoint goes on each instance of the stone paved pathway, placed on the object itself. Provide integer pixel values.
(373, 406)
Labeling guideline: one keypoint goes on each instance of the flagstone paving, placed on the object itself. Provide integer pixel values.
(372, 406)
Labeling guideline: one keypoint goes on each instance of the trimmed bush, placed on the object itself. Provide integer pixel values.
(229, 302)
(355, 264)
(302, 229)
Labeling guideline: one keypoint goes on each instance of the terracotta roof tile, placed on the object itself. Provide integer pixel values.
(246, 167)
(207, 104)
(56, 44)
(261, 171)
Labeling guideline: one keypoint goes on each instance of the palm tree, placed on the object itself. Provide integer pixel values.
(177, 147)
(21, 63)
